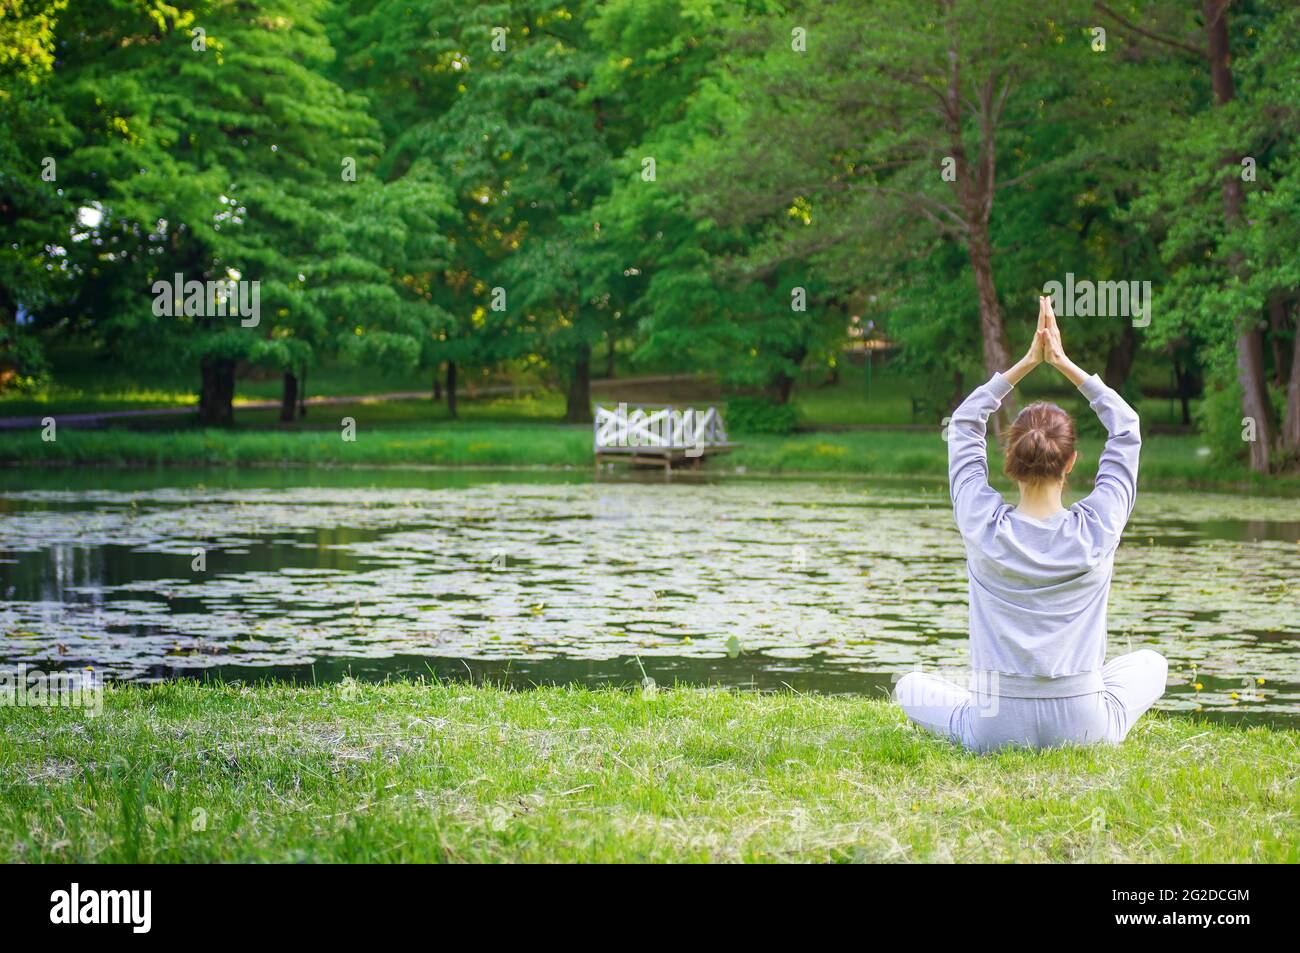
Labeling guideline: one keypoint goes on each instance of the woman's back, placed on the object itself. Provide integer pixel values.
(1039, 587)
(1038, 597)
(1039, 576)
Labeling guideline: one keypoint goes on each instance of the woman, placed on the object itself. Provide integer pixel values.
(1039, 575)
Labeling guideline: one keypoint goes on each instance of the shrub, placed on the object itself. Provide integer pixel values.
(23, 366)
(1218, 418)
(756, 415)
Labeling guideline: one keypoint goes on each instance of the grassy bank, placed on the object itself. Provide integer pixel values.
(449, 445)
(407, 771)
(1166, 460)
(86, 381)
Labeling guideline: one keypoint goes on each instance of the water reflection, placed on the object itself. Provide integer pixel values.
(828, 586)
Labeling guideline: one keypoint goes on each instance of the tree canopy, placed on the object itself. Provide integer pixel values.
(723, 186)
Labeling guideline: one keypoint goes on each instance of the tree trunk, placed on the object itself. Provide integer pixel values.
(8, 306)
(1254, 397)
(577, 404)
(451, 389)
(780, 388)
(1119, 359)
(1254, 400)
(974, 188)
(1291, 424)
(289, 397)
(1183, 379)
(216, 398)
(996, 354)
(1277, 326)
(1250, 343)
(302, 393)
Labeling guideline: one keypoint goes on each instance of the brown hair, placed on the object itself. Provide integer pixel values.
(1039, 444)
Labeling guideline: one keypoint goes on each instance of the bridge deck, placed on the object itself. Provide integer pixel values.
(658, 435)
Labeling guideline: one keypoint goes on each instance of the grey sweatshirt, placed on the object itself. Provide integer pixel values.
(1039, 588)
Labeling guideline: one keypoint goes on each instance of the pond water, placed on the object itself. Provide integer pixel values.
(531, 577)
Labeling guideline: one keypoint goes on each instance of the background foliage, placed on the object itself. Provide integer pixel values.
(707, 184)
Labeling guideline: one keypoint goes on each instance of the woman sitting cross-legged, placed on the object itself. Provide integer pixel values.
(1039, 575)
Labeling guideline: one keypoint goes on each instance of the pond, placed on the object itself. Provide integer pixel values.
(536, 577)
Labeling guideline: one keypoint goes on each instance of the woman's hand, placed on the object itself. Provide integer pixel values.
(1036, 354)
(1049, 334)
(1053, 349)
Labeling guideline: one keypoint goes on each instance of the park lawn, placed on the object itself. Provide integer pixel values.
(886, 399)
(389, 439)
(414, 771)
(79, 396)
(1167, 460)
(84, 382)
(850, 401)
(525, 407)
(447, 445)
(56, 399)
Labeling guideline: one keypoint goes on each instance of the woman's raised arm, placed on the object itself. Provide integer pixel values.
(974, 503)
(1111, 501)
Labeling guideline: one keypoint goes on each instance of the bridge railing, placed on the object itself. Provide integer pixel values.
(658, 429)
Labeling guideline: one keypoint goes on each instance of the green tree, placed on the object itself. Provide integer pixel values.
(866, 134)
(36, 212)
(689, 281)
(213, 145)
(527, 146)
(1227, 157)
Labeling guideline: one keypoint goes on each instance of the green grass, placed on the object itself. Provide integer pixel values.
(386, 438)
(539, 407)
(436, 772)
(849, 402)
(1166, 460)
(71, 399)
(82, 382)
(887, 399)
(448, 445)
(522, 430)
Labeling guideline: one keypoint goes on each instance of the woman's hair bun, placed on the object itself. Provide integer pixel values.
(1039, 444)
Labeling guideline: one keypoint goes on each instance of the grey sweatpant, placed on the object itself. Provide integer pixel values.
(985, 723)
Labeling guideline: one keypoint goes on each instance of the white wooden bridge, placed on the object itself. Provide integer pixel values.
(658, 435)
